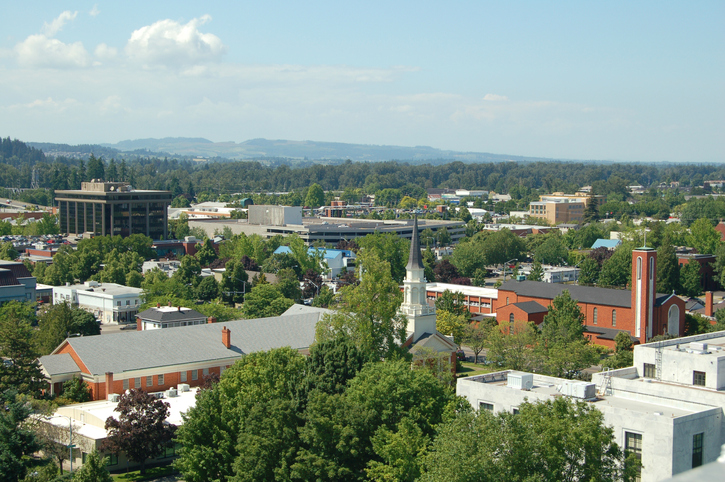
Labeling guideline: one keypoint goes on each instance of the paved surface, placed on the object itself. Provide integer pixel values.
(108, 329)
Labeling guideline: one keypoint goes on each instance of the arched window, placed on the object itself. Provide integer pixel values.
(507, 301)
(511, 318)
(594, 318)
(639, 267)
(614, 317)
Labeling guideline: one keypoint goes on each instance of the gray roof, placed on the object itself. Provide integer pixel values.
(531, 307)
(414, 260)
(122, 352)
(584, 294)
(157, 314)
(59, 364)
(607, 333)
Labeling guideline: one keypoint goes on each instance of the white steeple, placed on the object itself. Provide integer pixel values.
(421, 317)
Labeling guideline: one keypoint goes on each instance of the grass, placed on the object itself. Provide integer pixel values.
(151, 473)
(469, 369)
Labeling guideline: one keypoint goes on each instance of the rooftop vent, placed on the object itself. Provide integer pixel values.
(698, 347)
(114, 397)
(583, 390)
(520, 380)
(183, 387)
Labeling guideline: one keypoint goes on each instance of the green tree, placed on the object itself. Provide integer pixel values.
(189, 272)
(315, 196)
(451, 324)
(551, 251)
(332, 364)
(206, 253)
(208, 289)
(93, 470)
(690, 279)
(464, 214)
(141, 430)
(180, 201)
(564, 322)
(443, 236)
(591, 212)
(537, 272)
(368, 313)
(589, 271)
(289, 285)
(617, 270)
(59, 322)
(76, 390)
(265, 300)
(475, 335)
(551, 440)
(234, 282)
(391, 248)
(219, 436)
(20, 371)
(515, 347)
(668, 269)
(453, 302)
(623, 356)
(17, 442)
(703, 237)
(8, 252)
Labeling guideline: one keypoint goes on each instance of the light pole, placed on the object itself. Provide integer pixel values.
(315, 285)
(70, 442)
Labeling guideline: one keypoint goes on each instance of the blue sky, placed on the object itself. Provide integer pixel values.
(634, 81)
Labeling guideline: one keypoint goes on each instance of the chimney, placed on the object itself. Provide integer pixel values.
(211, 319)
(708, 303)
(139, 324)
(178, 308)
(109, 383)
(169, 303)
(158, 305)
(227, 337)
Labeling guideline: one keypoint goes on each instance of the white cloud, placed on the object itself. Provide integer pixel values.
(52, 28)
(105, 52)
(167, 42)
(41, 51)
(495, 97)
(94, 11)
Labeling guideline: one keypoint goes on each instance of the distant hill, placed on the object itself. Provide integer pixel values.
(306, 150)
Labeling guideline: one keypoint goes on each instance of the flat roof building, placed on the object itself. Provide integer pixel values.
(113, 208)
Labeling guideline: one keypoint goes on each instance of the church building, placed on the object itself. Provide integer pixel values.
(639, 311)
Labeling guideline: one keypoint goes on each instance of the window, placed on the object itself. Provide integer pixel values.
(515, 410)
(614, 317)
(511, 318)
(698, 378)
(507, 300)
(205, 372)
(633, 444)
(125, 384)
(118, 303)
(137, 382)
(149, 381)
(111, 459)
(128, 302)
(161, 380)
(136, 302)
(194, 374)
(595, 317)
(697, 449)
(485, 406)
(182, 376)
(639, 267)
(651, 267)
(650, 371)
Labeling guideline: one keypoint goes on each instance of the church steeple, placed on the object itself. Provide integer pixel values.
(415, 260)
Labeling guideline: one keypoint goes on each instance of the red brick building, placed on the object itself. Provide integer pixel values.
(640, 311)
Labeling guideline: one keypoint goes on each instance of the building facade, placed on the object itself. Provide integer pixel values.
(113, 208)
(16, 282)
(111, 303)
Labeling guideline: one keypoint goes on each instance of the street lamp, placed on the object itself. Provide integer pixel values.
(70, 442)
(315, 285)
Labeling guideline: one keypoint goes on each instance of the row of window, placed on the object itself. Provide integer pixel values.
(698, 378)
(595, 317)
(149, 381)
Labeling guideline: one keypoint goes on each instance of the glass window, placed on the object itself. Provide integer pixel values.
(205, 372)
(650, 371)
(182, 376)
(515, 411)
(118, 303)
(511, 318)
(614, 317)
(194, 374)
(633, 444)
(485, 406)
(128, 302)
(149, 381)
(639, 268)
(125, 384)
(111, 459)
(697, 449)
(651, 267)
(595, 317)
(161, 380)
(84, 457)
(698, 378)
(137, 382)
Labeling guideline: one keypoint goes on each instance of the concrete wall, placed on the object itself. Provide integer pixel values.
(275, 215)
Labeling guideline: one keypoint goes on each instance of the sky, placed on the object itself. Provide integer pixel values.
(619, 80)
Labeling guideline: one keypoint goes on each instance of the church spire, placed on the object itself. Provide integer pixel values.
(415, 260)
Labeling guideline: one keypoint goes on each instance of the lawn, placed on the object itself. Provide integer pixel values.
(469, 369)
(151, 473)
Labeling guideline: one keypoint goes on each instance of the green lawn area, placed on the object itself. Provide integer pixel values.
(151, 473)
(469, 369)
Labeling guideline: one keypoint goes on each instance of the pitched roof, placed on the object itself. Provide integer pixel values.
(138, 350)
(17, 269)
(606, 243)
(584, 294)
(7, 278)
(59, 364)
(170, 313)
(415, 260)
(531, 307)
(607, 333)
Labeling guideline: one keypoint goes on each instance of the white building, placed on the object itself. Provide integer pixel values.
(160, 317)
(560, 274)
(167, 266)
(667, 408)
(111, 303)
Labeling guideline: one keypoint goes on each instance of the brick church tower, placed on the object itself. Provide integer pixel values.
(644, 290)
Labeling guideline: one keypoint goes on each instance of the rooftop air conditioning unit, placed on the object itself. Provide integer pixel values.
(183, 387)
(114, 397)
(698, 347)
(583, 390)
(171, 392)
(520, 380)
